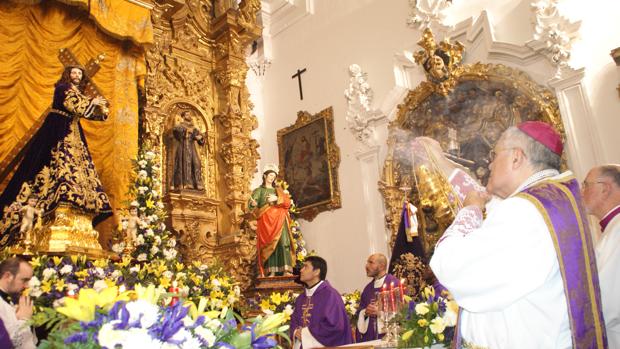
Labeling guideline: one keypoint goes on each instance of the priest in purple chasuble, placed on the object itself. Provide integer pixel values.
(525, 275)
(319, 318)
(56, 167)
(369, 326)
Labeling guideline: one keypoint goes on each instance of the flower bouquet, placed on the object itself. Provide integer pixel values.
(56, 277)
(429, 321)
(351, 305)
(133, 319)
(279, 303)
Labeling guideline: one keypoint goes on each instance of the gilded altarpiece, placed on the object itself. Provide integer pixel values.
(465, 108)
(197, 64)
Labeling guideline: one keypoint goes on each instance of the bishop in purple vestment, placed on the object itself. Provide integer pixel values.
(319, 318)
(368, 328)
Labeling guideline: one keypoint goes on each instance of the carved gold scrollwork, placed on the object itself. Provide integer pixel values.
(197, 62)
(441, 62)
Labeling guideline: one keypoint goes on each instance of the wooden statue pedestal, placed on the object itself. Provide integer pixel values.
(193, 217)
(277, 284)
(266, 285)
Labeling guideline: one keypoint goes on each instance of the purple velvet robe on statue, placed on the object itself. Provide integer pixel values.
(368, 295)
(327, 321)
(68, 165)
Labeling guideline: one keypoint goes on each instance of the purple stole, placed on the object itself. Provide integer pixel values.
(561, 206)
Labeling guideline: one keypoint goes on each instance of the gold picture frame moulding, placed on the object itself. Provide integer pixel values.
(309, 160)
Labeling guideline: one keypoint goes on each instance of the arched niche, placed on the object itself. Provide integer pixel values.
(202, 122)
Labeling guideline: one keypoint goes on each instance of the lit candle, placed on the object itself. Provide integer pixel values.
(384, 298)
(402, 290)
(392, 297)
(174, 289)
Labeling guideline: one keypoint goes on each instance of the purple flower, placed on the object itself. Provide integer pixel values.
(441, 307)
(124, 317)
(410, 309)
(199, 321)
(170, 324)
(229, 324)
(79, 337)
(262, 342)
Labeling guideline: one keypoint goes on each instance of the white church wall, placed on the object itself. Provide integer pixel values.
(600, 33)
(373, 34)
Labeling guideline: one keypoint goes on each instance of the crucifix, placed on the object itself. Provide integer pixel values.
(67, 58)
(298, 76)
(306, 308)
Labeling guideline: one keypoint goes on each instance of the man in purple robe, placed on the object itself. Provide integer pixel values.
(368, 326)
(319, 318)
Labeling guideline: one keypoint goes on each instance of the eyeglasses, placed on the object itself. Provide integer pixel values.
(493, 153)
(586, 184)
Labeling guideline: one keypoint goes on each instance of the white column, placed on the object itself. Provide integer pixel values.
(583, 147)
(377, 234)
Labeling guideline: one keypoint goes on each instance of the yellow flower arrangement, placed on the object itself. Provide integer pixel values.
(351, 304)
(84, 306)
(278, 303)
(431, 320)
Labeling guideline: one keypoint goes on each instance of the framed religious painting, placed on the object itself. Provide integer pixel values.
(615, 54)
(309, 160)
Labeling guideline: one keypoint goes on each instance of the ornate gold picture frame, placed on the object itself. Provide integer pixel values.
(309, 160)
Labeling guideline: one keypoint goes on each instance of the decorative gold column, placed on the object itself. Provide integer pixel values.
(232, 32)
(198, 63)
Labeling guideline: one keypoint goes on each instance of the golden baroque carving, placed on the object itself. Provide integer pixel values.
(247, 13)
(441, 62)
(197, 61)
(484, 100)
(194, 219)
(239, 252)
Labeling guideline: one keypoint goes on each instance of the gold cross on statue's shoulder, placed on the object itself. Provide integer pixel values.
(68, 59)
(305, 315)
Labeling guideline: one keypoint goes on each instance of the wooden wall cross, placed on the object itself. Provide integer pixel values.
(298, 76)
